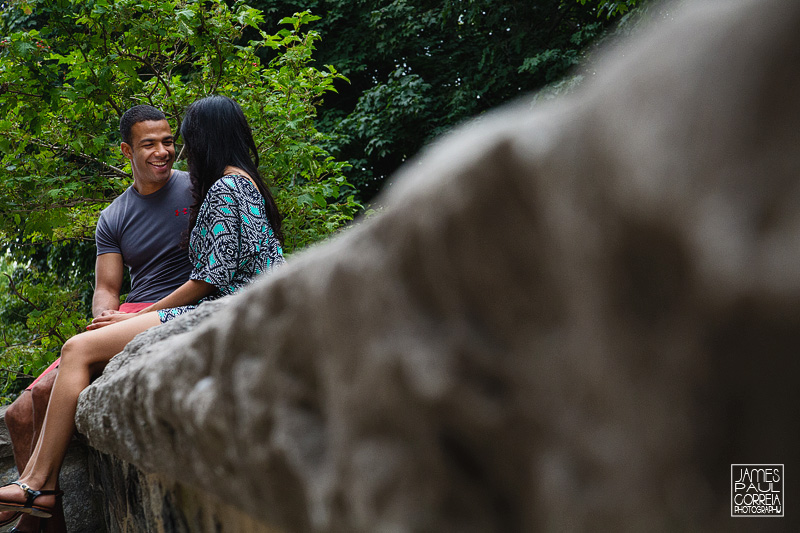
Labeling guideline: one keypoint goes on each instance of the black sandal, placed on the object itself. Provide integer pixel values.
(28, 507)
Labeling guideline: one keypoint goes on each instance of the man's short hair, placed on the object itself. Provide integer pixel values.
(134, 115)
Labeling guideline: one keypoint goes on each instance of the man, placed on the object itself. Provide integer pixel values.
(143, 230)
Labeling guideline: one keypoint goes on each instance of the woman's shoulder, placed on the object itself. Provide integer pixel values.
(233, 189)
(232, 184)
(235, 182)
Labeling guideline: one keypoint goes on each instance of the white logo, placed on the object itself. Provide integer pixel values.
(757, 490)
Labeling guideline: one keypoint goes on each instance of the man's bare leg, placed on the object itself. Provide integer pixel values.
(19, 420)
(24, 419)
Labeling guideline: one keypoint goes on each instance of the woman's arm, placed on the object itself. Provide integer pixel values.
(189, 293)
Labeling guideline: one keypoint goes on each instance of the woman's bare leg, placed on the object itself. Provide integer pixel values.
(83, 357)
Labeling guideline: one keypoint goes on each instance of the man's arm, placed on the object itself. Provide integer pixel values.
(108, 283)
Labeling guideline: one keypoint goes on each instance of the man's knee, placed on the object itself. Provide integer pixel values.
(40, 392)
(19, 414)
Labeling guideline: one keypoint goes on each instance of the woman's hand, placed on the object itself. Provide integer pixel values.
(108, 317)
(189, 293)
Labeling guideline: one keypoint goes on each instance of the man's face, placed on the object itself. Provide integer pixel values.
(151, 153)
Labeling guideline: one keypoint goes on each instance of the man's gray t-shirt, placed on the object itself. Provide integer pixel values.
(148, 231)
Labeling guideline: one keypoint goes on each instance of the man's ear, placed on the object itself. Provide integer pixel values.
(127, 151)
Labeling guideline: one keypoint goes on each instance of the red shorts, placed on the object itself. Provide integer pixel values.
(125, 308)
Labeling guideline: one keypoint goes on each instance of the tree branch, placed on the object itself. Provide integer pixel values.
(86, 157)
(72, 203)
(13, 288)
(17, 372)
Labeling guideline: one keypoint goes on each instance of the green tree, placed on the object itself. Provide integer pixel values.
(419, 67)
(42, 304)
(611, 8)
(69, 69)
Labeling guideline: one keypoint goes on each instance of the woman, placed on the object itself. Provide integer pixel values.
(235, 236)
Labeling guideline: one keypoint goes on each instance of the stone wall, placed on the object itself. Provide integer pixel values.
(574, 316)
(136, 502)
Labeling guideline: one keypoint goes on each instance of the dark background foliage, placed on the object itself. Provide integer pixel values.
(416, 68)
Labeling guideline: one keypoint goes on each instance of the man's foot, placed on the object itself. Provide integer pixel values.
(27, 524)
(9, 517)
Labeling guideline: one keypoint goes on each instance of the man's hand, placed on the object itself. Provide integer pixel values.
(108, 317)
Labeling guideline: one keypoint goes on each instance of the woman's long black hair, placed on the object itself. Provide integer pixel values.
(216, 134)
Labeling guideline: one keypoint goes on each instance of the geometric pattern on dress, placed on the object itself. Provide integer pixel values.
(232, 241)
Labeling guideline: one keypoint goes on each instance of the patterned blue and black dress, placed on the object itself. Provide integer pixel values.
(232, 241)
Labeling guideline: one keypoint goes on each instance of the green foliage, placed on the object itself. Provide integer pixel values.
(311, 189)
(40, 307)
(610, 8)
(69, 69)
(418, 67)
(389, 112)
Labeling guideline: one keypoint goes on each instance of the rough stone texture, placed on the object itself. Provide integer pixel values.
(81, 498)
(135, 502)
(570, 317)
